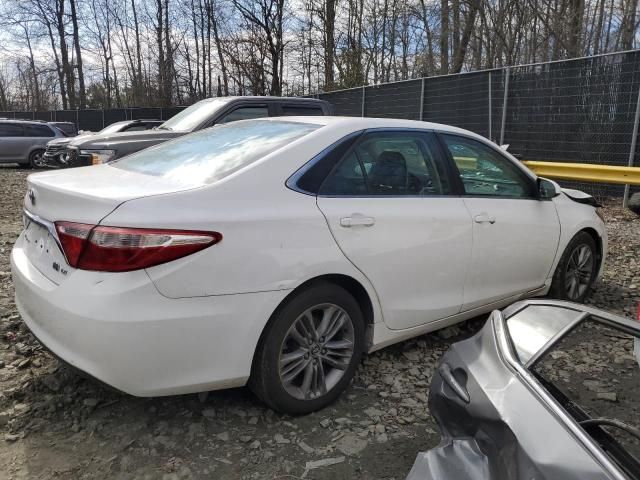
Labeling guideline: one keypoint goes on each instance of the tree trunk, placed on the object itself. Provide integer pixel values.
(444, 37)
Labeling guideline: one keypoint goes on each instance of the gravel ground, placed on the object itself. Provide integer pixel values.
(55, 424)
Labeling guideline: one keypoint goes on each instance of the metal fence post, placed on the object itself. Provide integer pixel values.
(77, 120)
(422, 99)
(363, 90)
(632, 150)
(504, 105)
(103, 125)
(490, 105)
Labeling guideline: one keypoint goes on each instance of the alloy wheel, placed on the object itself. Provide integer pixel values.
(579, 271)
(38, 160)
(316, 351)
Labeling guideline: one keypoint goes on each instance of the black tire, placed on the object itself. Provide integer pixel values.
(36, 159)
(562, 278)
(266, 380)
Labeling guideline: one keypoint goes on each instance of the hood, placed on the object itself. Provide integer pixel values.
(88, 194)
(112, 140)
(67, 140)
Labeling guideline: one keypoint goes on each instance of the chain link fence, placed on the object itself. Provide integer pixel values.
(583, 110)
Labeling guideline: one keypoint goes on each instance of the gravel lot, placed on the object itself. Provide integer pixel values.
(54, 424)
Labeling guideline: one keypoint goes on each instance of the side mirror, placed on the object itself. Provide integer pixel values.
(547, 189)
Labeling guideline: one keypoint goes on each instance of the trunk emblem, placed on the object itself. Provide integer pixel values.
(32, 196)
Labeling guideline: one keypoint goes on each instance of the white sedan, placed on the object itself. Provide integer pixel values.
(275, 252)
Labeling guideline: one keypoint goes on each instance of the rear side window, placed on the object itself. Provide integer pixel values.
(390, 163)
(11, 130)
(211, 154)
(38, 131)
(295, 110)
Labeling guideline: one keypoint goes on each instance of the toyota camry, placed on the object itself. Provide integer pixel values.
(276, 252)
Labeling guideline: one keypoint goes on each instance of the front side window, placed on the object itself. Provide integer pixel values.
(244, 113)
(11, 130)
(214, 153)
(392, 164)
(38, 131)
(484, 171)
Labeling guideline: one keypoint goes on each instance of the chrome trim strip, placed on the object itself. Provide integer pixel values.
(508, 356)
(50, 226)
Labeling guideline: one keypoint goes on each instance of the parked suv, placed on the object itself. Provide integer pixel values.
(24, 141)
(56, 154)
(206, 113)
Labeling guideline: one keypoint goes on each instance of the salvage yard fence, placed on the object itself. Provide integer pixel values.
(583, 110)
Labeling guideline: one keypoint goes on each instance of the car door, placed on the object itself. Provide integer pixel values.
(11, 141)
(515, 234)
(584, 364)
(389, 206)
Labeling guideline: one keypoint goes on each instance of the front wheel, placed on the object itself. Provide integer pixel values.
(576, 272)
(310, 350)
(36, 159)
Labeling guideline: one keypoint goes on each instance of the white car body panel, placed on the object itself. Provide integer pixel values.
(416, 245)
(515, 252)
(193, 324)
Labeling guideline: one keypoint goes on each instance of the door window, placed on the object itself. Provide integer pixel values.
(295, 110)
(245, 113)
(592, 371)
(38, 131)
(389, 163)
(10, 130)
(485, 172)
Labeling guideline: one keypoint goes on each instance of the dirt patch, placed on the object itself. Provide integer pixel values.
(55, 424)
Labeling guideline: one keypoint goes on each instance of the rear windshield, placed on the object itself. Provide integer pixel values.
(212, 154)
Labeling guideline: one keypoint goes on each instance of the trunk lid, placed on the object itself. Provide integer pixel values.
(82, 195)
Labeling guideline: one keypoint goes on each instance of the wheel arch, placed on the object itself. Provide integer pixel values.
(593, 233)
(350, 284)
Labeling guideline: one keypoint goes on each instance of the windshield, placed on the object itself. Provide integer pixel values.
(212, 154)
(191, 117)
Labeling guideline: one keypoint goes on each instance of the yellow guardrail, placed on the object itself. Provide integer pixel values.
(586, 172)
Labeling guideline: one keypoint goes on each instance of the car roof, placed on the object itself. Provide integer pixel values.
(18, 120)
(361, 123)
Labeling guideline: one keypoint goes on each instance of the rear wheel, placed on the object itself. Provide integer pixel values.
(36, 159)
(577, 269)
(310, 350)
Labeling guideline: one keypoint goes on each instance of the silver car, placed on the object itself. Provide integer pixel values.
(546, 390)
(24, 142)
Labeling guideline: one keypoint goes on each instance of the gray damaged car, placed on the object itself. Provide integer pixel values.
(546, 390)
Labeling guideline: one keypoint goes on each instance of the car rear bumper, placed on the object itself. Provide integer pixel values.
(118, 329)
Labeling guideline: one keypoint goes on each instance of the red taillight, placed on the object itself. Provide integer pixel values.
(118, 249)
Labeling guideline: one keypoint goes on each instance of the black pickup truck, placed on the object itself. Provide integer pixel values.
(206, 113)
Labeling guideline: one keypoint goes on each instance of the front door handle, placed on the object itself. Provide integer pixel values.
(484, 218)
(357, 221)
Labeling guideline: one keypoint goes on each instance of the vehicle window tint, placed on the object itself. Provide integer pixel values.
(136, 127)
(293, 110)
(38, 131)
(245, 113)
(214, 153)
(391, 163)
(10, 130)
(594, 373)
(485, 171)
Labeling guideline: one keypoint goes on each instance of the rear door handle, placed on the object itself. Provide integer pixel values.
(449, 378)
(357, 221)
(484, 218)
